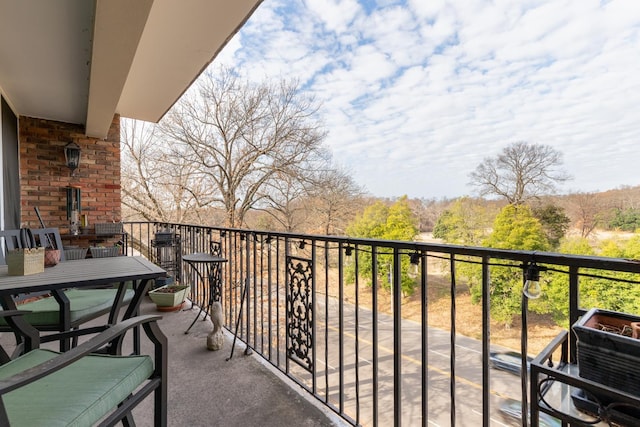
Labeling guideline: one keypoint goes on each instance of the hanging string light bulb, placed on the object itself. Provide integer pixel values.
(414, 259)
(532, 288)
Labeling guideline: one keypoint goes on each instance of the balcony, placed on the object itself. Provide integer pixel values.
(206, 389)
(341, 345)
(289, 300)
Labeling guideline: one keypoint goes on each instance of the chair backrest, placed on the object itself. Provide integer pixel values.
(49, 238)
(10, 239)
(45, 237)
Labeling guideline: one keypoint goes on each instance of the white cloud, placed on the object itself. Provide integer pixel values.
(336, 15)
(416, 93)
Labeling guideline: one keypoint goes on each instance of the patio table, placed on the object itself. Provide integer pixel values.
(85, 273)
(211, 264)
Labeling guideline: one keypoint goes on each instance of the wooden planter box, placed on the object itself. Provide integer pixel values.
(608, 358)
(22, 262)
(169, 295)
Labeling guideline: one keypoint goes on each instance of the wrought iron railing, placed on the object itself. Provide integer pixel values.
(285, 295)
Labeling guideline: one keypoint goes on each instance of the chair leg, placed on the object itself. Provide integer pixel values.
(128, 421)
(4, 357)
(74, 340)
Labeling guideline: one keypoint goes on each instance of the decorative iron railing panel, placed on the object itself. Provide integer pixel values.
(299, 310)
(342, 316)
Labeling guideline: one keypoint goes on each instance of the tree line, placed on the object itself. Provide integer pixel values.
(252, 155)
(229, 148)
(520, 175)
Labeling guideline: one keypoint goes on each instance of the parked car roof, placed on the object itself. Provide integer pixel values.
(509, 361)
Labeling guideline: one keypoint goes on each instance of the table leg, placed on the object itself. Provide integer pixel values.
(65, 317)
(247, 350)
(214, 287)
(139, 287)
(197, 317)
(201, 281)
(117, 303)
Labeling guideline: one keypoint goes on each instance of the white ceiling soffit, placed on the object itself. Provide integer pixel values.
(180, 39)
(82, 61)
(45, 52)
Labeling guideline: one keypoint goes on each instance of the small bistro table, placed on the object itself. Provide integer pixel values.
(211, 264)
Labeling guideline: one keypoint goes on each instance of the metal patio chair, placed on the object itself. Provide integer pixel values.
(91, 383)
(46, 313)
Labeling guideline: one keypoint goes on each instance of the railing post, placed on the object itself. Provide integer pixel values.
(574, 310)
(397, 338)
(524, 374)
(247, 349)
(341, 330)
(452, 341)
(287, 340)
(425, 340)
(486, 326)
(374, 332)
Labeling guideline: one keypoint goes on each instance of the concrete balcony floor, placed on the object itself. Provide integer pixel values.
(206, 390)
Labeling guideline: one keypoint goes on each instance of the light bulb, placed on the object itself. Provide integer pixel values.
(414, 268)
(532, 289)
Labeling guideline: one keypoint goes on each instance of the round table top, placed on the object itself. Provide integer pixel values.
(202, 257)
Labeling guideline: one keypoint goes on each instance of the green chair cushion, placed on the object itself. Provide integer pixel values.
(77, 395)
(83, 303)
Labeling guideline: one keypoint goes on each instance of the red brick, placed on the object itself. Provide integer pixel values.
(44, 175)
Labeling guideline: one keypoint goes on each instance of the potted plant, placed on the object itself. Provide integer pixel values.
(169, 297)
(608, 353)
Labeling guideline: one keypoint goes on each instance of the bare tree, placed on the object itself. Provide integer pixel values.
(333, 199)
(285, 202)
(586, 210)
(520, 172)
(243, 136)
(428, 211)
(155, 185)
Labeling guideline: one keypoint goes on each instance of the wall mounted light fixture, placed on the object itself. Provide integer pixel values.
(72, 156)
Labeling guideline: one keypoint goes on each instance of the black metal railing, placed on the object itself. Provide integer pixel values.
(302, 303)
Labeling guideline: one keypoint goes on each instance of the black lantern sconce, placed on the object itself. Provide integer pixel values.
(72, 156)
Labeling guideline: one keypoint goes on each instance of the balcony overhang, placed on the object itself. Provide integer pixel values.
(79, 61)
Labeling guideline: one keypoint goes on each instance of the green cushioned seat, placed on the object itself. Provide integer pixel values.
(83, 303)
(77, 395)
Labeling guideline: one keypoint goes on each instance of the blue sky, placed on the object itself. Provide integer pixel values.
(416, 93)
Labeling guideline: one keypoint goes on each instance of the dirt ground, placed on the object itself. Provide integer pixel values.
(468, 315)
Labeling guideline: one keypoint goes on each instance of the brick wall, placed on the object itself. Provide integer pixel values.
(44, 175)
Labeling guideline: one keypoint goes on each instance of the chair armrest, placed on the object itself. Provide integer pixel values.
(112, 334)
(29, 336)
(9, 313)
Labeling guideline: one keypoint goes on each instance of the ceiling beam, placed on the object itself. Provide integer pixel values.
(118, 27)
